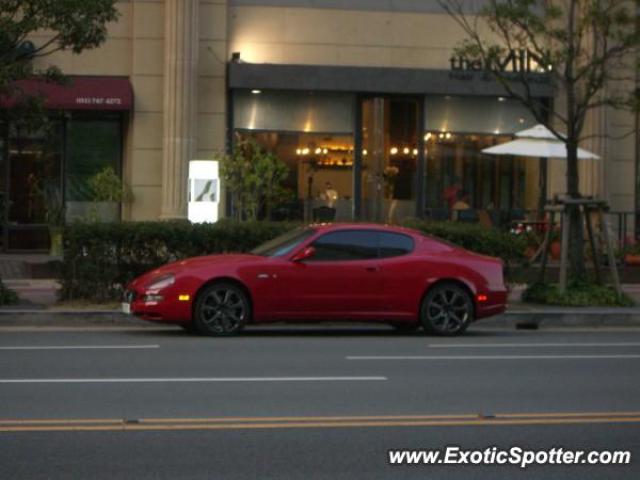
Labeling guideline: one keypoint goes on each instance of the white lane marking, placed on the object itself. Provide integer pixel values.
(78, 347)
(488, 357)
(532, 345)
(191, 379)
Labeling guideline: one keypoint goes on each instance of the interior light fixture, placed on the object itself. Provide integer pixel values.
(255, 91)
(406, 150)
(502, 99)
(393, 150)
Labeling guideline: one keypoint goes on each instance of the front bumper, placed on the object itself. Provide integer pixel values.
(168, 310)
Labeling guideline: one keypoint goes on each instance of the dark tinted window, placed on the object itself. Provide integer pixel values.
(347, 245)
(283, 244)
(394, 244)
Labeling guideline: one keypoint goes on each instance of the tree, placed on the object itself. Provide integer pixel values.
(74, 25)
(254, 179)
(588, 49)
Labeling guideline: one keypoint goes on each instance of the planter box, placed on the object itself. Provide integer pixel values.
(93, 211)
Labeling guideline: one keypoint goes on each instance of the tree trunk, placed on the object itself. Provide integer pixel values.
(577, 270)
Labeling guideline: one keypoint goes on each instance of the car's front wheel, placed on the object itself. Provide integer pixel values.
(222, 309)
(446, 310)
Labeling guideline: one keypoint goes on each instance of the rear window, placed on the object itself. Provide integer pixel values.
(394, 244)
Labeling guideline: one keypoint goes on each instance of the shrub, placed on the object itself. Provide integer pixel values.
(7, 296)
(580, 294)
(475, 237)
(101, 258)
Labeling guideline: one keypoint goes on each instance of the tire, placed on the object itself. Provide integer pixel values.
(221, 310)
(446, 310)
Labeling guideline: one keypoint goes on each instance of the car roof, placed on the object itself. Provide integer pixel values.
(328, 227)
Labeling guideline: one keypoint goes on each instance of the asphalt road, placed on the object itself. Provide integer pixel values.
(311, 402)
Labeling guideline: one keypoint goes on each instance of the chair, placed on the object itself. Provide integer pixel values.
(485, 219)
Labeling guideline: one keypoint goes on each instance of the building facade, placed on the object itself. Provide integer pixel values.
(363, 99)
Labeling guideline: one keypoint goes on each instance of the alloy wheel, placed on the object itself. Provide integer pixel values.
(222, 309)
(447, 310)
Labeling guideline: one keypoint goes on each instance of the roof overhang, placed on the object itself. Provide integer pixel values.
(384, 80)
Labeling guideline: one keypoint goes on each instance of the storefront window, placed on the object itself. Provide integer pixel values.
(312, 132)
(320, 178)
(456, 167)
(93, 144)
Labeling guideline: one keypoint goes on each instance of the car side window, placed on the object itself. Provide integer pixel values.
(346, 245)
(395, 244)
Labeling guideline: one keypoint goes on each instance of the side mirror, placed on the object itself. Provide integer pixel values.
(304, 254)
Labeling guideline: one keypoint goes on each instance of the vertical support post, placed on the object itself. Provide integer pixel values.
(421, 167)
(357, 158)
(545, 246)
(610, 257)
(564, 252)
(592, 243)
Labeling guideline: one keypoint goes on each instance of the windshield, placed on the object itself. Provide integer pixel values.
(284, 244)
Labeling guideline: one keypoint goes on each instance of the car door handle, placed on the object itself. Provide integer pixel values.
(372, 269)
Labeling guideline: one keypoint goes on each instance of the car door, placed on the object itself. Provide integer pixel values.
(341, 279)
(402, 275)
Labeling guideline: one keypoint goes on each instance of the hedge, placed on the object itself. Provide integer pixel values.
(101, 258)
(475, 237)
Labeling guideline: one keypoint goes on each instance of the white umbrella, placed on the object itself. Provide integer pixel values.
(538, 142)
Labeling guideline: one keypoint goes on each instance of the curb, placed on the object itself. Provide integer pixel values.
(519, 318)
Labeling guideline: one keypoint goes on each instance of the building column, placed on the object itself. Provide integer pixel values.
(180, 104)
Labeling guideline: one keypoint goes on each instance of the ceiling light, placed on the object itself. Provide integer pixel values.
(255, 91)
(394, 150)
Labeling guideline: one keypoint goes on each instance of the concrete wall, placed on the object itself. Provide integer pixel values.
(266, 34)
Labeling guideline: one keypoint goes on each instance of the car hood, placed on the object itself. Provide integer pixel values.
(194, 263)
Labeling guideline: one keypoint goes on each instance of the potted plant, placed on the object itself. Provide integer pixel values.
(632, 254)
(108, 191)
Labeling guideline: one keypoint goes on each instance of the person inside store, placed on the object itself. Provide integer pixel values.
(330, 195)
(462, 203)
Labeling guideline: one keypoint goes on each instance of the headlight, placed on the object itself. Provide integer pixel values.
(161, 282)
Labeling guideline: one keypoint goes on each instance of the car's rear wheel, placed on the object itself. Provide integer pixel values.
(446, 310)
(222, 309)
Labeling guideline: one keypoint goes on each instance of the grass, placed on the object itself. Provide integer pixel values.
(580, 294)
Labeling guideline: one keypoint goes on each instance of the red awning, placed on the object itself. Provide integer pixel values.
(81, 93)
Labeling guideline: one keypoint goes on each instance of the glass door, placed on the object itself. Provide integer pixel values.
(34, 189)
(390, 158)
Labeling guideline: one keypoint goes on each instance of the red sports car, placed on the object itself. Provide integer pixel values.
(352, 272)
